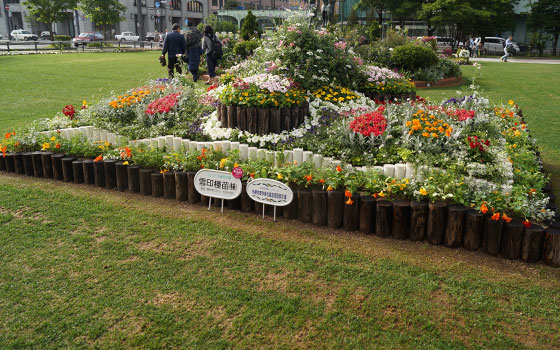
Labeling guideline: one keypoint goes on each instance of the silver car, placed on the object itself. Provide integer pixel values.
(495, 45)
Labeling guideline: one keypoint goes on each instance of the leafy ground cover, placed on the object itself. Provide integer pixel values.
(532, 86)
(80, 267)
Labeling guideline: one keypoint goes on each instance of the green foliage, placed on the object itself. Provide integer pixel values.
(219, 26)
(353, 17)
(103, 12)
(545, 17)
(60, 37)
(538, 42)
(245, 49)
(411, 57)
(51, 11)
(231, 5)
(374, 31)
(250, 28)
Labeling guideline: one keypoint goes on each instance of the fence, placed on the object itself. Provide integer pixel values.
(47, 45)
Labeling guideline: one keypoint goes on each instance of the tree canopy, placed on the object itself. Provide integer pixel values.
(103, 12)
(545, 17)
(50, 11)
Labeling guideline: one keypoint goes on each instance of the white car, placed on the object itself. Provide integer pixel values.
(495, 45)
(20, 34)
(127, 36)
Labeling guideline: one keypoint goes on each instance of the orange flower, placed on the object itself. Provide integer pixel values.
(338, 168)
(330, 188)
(483, 208)
(57, 146)
(308, 178)
(3, 150)
(16, 144)
(348, 194)
(506, 218)
(98, 158)
(128, 152)
(7, 136)
(322, 181)
(252, 175)
(349, 201)
(496, 216)
(13, 133)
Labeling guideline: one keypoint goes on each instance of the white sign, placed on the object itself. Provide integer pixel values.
(271, 192)
(217, 184)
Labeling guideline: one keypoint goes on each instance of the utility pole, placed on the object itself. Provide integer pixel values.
(139, 25)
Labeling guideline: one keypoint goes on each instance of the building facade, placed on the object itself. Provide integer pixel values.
(156, 15)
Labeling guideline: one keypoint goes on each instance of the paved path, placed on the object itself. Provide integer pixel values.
(518, 60)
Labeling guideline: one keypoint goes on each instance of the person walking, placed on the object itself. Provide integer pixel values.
(210, 45)
(194, 49)
(174, 46)
(507, 47)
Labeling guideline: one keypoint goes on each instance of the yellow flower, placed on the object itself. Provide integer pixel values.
(46, 146)
(235, 165)
(125, 162)
(330, 188)
(423, 191)
(280, 177)
(107, 144)
(52, 138)
(381, 194)
(510, 102)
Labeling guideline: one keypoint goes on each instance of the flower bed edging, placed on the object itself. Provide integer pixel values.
(512, 239)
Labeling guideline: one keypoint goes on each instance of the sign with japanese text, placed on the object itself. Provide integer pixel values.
(268, 191)
(217, 184)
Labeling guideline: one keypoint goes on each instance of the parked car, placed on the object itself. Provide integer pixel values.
(45, 35)
(86, 37)
(495, 45)
(150, 36)
(127, 36)
(20, 34)
(1, 37)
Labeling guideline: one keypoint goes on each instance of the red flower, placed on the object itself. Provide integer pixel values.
(370, 123)
(308, 178)
(527, 223)
(496, 216)
(57, 146)
(211, 87)
(338, 168)
(7, 136)
(348, 194)
(69, 111)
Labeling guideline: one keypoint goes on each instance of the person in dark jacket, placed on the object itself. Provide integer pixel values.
(211, 62)
(194, 49)
(174, 46)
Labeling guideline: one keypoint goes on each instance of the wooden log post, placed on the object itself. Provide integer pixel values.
(551, 247)
(532, 246)
(305, 204)
(252, 120)
(473, 230)
(122, 176)
(28, 163)
(401, 219)
(46, 162)
(351, 221)
(10, 167)
(242, 118)
(133, 174)
(110, 173)
(320, 197)
(204, 200)
(169, 185)
(290, 211)
(146, 182)
(246, 201)
(234, 204)
(20, 168)
(231, 117)
(383, 218)
(512, 238)
(301, 115)
(193, 195)
(492, 237)
(3, 162)
(87, 169)
(67, 170)
(285, 118)
(418, 220)
(335, 209)
(219, 111)
(294, 117)
(78, 171)
(223, 115)
(37, 163)
(157, 184)
(437, 219)
(263, 121)
(181, 186)
(455, 226)
(99, 173)
(275, 121)
(56, 166)
(258, 208)
(367, 215)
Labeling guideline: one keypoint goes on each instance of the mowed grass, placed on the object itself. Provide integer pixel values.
(87, 268)
(39, 86)
(534, 87)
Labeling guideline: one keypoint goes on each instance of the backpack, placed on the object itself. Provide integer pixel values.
(193, 38)
(216, 51)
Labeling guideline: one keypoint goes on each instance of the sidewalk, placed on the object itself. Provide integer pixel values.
(517, 60)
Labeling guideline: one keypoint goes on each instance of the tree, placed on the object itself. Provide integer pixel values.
(231, 5)
(353, 17)
(377, 5)
(50, 11)
(403, 9)
(545, 17)
(104, 12)
(250, 27)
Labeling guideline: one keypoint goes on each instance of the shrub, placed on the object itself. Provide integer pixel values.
(412, 57)
(245, 49)
(219, 26)
(449, 68)
(62, 38)
(250, 27)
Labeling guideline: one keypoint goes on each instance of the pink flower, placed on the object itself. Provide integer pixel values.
(340, 45)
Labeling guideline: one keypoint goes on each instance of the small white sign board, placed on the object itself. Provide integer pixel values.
(217, 184)
(271, 192)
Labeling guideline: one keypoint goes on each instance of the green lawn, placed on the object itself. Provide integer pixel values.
(82, 267)
(38, 86)
(87, 268)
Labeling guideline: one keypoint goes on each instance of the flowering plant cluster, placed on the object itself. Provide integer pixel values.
(370, 123)
(164, 104)
(335, 94)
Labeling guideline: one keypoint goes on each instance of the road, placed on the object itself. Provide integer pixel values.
(518, 60)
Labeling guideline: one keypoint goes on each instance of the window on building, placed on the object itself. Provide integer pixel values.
(214, 3)
(194, 6)
(143, 3)
(12, 1)
(175, 4)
